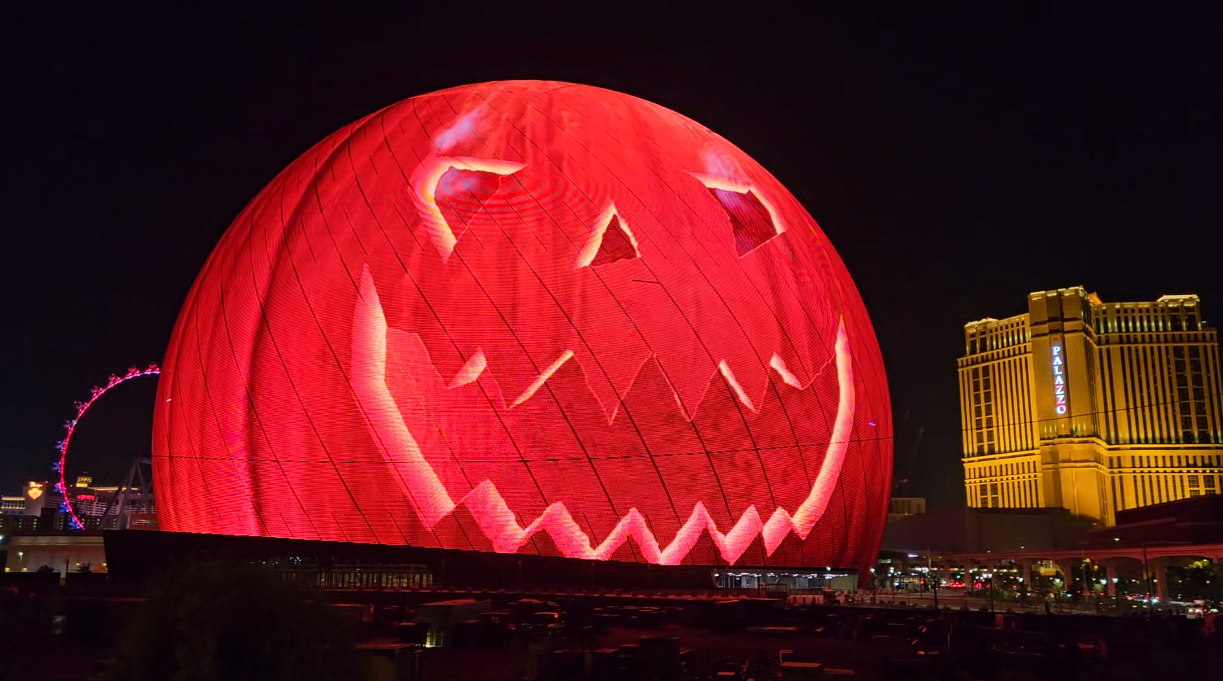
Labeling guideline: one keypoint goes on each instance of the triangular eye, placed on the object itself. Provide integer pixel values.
(615, 246)
(752, 219)
(461, 186)
(464, 192)
(748, 217)
(611, 240)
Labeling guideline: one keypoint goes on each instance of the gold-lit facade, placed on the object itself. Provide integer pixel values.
(1096, 407)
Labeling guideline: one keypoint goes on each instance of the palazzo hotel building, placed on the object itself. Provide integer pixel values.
(1092, 406)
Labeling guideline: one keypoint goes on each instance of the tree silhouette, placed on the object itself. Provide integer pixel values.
(224, 620)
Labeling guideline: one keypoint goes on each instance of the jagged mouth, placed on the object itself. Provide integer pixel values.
(398, 435)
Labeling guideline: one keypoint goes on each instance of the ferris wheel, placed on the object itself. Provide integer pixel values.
(61, 486)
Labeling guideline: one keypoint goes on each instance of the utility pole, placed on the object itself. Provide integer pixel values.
(990, 577)
(1146, 567)
(1087, 580)
(933, 580)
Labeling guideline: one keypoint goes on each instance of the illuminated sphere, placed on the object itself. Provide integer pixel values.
(529, 317)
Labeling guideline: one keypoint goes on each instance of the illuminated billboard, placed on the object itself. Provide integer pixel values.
(529, 317)
(35, 498)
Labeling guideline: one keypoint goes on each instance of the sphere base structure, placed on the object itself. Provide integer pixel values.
(134, 557)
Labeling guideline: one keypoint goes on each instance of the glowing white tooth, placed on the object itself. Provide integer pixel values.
(730, 378)
(471, 370)
(543, 377)
(680, 404)
(779, 365)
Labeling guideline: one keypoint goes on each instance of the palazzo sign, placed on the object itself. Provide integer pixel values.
(1059, 381)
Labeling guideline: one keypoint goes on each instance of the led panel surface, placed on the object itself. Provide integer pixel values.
(529, 317)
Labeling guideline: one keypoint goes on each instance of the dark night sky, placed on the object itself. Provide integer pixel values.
(957, 162)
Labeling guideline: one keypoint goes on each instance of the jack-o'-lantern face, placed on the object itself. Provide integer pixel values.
(529, 316)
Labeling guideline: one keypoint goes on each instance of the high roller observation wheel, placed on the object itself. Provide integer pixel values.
(113, 382)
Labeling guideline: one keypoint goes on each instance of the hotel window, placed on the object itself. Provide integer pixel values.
(1210, 483)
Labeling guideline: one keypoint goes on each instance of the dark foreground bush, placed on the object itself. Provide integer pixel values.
(231, 621)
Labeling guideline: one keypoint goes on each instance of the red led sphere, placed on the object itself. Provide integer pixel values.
(529, 317)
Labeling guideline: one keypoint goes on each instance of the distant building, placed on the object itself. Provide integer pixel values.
(1195, 521)
(64, 552)
(39, 510)
(89, 502)
(12, 505)
(39, 495)
(1091, 406)
(903, 507)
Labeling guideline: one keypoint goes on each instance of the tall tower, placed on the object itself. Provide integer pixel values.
(1064, 358)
